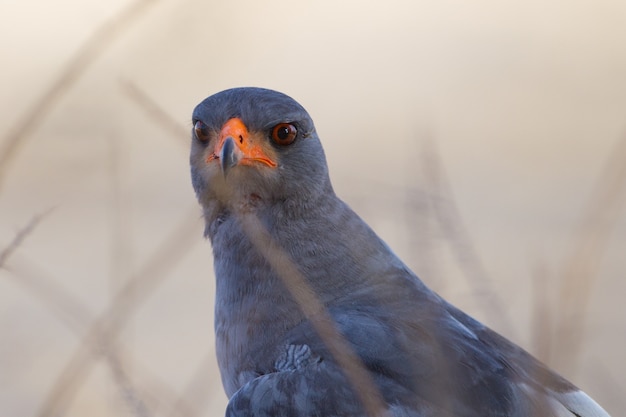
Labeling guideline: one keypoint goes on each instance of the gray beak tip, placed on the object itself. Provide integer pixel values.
(228, 155)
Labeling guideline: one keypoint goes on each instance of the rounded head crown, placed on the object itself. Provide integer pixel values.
(254, 143)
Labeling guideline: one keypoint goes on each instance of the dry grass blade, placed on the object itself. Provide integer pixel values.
(195, 396)
(155, 112)
(316, 313)
(580, 271)
(422, 224)
(105, 330)
(78, 318)
(542, 318)
(74, 69)
(52, 295)
(20, 236)
(134, 402)
(453, 227)
(606, 382)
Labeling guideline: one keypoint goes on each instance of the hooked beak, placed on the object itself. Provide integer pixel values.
(229, 155)
(236, 146)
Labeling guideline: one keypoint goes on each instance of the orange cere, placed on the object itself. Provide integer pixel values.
(249, 145)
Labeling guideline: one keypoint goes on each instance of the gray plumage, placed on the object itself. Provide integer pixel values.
(424, 356)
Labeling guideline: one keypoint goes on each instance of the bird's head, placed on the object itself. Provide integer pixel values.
(252, 146)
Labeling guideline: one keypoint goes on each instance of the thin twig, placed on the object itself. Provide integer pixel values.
(196, 396)
(77, 317)
(580, 271)
(454, 229)
(128, 392)
(314, 310)
(155, 112)
(608, 384)
(422, 223)
(109, 325)
(20, 236)
(541, 313)
(76, 66)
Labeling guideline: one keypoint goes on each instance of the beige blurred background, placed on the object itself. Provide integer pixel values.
(483, 140)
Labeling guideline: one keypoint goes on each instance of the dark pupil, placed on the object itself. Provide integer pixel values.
(283, 133)
(202, 130)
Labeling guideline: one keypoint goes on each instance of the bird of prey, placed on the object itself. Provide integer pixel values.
(314, 314)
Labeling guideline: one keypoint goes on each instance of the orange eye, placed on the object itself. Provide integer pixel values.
(284, 134)
(202, 131)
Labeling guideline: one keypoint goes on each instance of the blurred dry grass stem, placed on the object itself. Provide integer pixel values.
(317, 315)
(155, 112)
(99, 336)
(20, 236)
(542, 317)
(195, 396)
(104, 331)
(580, 271)
(450, 222)
(79, 319)
(75, 67)
(558, 333)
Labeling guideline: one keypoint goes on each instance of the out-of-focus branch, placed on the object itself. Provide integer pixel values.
(109, 325)
(20, 236)
(76, 66)
(195, 396)
(316, 313)
(456, 233)
(73, 313)
(155, 112)
(580, 271)
(542, 320)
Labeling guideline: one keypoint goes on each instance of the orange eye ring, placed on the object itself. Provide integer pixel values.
(284, 134)
(201, 131)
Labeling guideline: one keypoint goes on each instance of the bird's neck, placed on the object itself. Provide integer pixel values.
(336, 254)
(251, 298)
(323, 238)
(238, 231)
